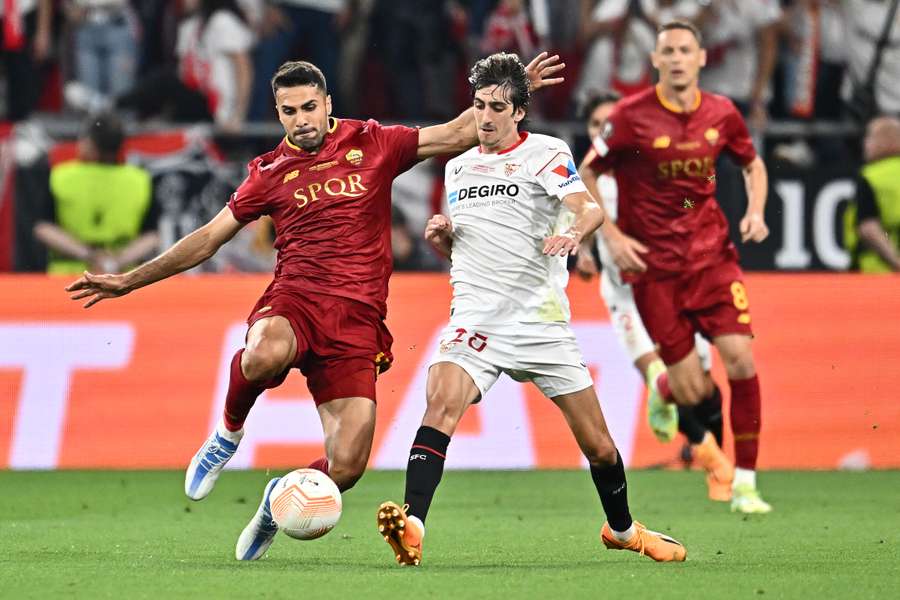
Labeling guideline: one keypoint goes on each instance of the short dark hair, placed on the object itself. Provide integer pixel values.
(506, 71)
(298, 72)
(106, 133)
(594, 99)
(681, 24)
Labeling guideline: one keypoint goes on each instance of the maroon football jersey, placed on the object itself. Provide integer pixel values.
(664, 162)
(331, 209)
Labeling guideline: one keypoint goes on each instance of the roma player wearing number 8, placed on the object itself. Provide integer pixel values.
(671, 239)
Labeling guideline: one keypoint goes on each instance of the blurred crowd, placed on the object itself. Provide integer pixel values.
(196, 60)
(210, 61)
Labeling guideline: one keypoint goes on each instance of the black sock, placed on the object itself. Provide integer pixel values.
(689, 424)
(709, 412)
(424, 469)
(613, 489)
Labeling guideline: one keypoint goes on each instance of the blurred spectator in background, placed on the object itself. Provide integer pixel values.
(105, 44)
(421, 52)
(872, 225)
(872, 85)
(286, 26)
(410, 253)
(214, 73)
(621, 34)
(26, 44)
(509, 29)
(741, 40)
(102, 216)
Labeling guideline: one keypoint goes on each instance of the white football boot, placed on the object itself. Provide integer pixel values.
(207, 464)
(260, 532)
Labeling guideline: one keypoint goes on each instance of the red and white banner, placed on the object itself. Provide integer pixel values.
(138, 382)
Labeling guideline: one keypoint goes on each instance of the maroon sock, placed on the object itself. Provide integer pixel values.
(241, 395)
(745, 420)
(662, 384)
(320, 464)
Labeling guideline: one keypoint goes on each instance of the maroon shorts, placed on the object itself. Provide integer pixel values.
(712, 301)
(342, 344)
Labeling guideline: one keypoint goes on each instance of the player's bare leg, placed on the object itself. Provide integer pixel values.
(689, 386)
(737, 357)
(582, 412)
(449, 392)
(262, 364)
(349, 425)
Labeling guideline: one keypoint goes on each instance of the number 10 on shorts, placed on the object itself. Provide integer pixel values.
(477, 341)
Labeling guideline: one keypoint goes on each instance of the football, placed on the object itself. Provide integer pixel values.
(306, 504)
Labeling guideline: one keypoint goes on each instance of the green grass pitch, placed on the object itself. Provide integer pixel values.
(490, 534)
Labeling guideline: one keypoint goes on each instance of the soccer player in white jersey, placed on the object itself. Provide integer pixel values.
(510, 313)
(701, 424)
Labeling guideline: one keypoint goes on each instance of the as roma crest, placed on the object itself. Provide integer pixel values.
(354, 157)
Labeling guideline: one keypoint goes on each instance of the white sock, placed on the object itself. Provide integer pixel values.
(624, 536)
(744, 477)
(418, 522)
(232, 436)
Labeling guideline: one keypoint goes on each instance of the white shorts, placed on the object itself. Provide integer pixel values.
(629, 328)
(543, 353)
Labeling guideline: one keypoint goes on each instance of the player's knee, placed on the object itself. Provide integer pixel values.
(689, 391)
(264, 361)
(739, 365)
(602, 453)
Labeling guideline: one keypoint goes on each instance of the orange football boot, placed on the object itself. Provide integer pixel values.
(404, 536)
(657, 546)
(719, 470)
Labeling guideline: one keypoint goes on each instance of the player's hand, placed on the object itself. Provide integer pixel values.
(626, 253)
(753, 228)
(438, 229)
(585, 265)
(97, 288)
(561, 245)
(540, 69)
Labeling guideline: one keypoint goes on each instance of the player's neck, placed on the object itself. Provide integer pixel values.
(504, 145)
(682, 101)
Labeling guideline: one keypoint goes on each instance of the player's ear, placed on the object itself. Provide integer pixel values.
(328, 104)
(654, 60)
(518, 114)
(702, 57)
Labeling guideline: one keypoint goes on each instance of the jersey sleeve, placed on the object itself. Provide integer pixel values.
(739, 145)
(615, 137)
(250, 200)
(398, 143)
(556, 172)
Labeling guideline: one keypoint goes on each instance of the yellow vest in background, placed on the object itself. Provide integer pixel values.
(102, 205)
(884, 178)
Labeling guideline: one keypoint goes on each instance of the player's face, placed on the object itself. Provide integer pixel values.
(678, 58)
(598, 118)
(495, 118)
(303, 111)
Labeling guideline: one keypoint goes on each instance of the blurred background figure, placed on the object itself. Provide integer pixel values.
(872, 85)
(509, 29)
(214, 73)
(872, 223)
(105, 47)
(297, 30)
(26, 34)
(102, 217)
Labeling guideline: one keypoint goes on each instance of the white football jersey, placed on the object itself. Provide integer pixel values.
(502, 207)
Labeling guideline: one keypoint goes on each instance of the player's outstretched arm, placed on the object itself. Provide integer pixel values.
(189, 251)
(589, 216)
(460, 134)
(439, 233)
(756, 179)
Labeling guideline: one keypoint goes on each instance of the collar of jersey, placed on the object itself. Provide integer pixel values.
(671, 107)
(332, 126)
(523, 135)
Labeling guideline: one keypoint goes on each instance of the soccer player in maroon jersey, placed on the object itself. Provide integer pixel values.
(672, 238)
(327, 188)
